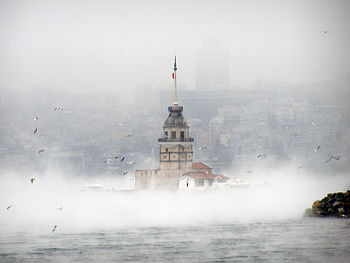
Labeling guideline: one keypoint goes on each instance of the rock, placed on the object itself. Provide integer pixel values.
(333, 205)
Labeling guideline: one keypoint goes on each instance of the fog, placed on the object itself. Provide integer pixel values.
(36, 207)
(119, 47)
(254, 77)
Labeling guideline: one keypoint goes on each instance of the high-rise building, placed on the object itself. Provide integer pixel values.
(212, 66)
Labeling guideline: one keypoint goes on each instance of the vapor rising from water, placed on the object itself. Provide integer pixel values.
(57, 199)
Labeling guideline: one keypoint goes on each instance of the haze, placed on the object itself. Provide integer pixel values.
(118, 46)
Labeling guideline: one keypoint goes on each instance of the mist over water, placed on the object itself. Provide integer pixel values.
(273, 194)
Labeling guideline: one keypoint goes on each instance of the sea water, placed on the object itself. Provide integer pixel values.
(51, 220)
(297, 240)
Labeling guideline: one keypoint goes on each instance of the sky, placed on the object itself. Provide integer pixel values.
(116, 46)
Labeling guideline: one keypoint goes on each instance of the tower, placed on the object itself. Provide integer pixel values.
(176, 144)
(175, 151)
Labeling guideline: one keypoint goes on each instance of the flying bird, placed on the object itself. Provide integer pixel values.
(9, 207)
(54, 229)
(122, 159)
(59, 208)
(130, 162)
(202, 148)
(116, 157)
(32, 180)
(128, 135)
(41, 150)
(317, 148)
(335, 157)
(58, 108)
(325, 32)
(261, 155)
(124, 173)
(249, 172)
(36, 129)
(36, 118)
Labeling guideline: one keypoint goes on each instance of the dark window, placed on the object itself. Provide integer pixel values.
(173, 135)
(166, 135)
(182, 135)
(199, 182)
(166, 149)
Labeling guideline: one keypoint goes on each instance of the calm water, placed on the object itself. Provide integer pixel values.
(297, 240)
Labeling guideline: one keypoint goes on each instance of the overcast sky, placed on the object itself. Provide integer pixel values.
(122, 45)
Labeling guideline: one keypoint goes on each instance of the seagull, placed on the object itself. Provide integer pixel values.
(124, 173)
(59, 208)
(9, 207)
(325, 32)
(36, 129)
(32, 180)
(54, 229)
(122, 159)
(261, 155)
(130, 162)
(122, 124)
(201, 149)
(41, 150)
(332, 157)
(116, 157)
(36, 118)
(58, 108)
(249, 172)
(317, 148)
(128, 135)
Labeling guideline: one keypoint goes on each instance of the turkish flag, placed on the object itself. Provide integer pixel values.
(173, 75)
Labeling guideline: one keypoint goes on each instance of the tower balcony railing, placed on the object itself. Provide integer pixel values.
(176, 140)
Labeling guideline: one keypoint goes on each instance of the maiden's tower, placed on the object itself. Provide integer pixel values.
(175, 152)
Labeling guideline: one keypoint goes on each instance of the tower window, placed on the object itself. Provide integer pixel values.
(166, 134)
(166, 149)
(173, 135)
(182, 135)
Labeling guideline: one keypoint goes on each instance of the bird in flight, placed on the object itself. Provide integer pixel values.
(54, 229)
(36, 129)
(202, 148)
(9, 207)
(317, 148)
(122, 159)
(58, 108)
(32, 180)
(335, 157)
(36, 118)
(325, 32)
(41, 150)
(59, 208)
(124, 173)
(261, 155)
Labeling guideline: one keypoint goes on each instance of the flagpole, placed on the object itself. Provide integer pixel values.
(175, 69)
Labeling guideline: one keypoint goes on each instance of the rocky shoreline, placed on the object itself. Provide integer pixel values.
(333, 205)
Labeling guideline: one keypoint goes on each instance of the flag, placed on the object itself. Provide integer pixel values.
(173, 75)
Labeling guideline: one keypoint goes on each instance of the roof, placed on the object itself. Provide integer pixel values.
(175, 118)
(200, 165)
(222, 176)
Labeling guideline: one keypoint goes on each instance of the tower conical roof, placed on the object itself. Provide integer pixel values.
(175, 118)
